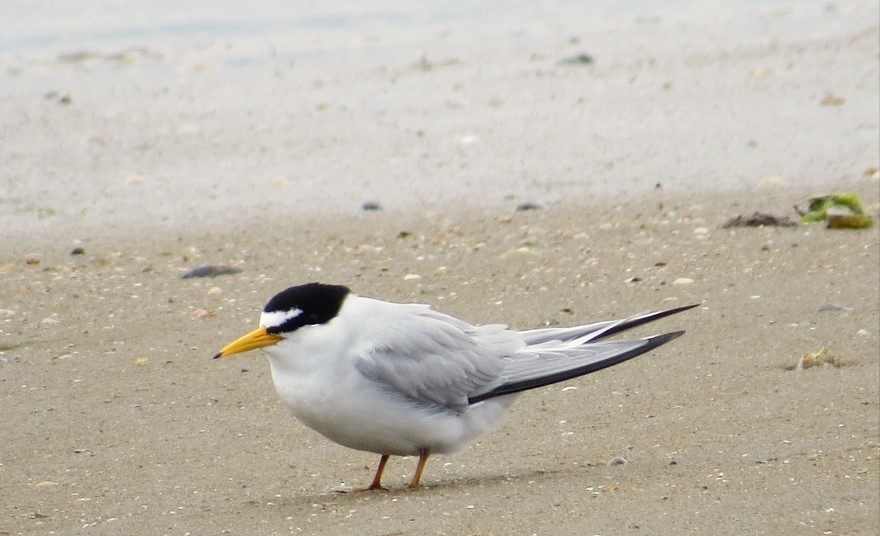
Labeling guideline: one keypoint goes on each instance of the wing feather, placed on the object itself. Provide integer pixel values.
(547, 367)
(435, 362)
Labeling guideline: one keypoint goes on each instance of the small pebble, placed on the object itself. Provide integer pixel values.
(370, 206)
(617, 460)
(210, 270)
(817, 359)
(528, 205)
(213, 291)
(520, 252)
(830, 99)
(77, 251)
(579, 59)
(142, 361)
(410, 277)
(863, 333)
(830, 307)
(771, 181)
(683, 281)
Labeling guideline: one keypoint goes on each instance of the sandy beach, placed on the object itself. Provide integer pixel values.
(120, 173)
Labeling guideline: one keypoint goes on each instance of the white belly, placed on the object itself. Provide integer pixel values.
(355, 412)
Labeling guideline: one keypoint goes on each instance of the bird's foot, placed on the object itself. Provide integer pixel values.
(360, 490)
(372, 487)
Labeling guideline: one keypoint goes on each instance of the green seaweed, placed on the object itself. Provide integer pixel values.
(850, 215)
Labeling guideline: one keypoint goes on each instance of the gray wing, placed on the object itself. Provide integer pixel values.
(546, 365)
(437, 360)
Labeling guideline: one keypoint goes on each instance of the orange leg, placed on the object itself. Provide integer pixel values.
(376, 485)
(423, 459)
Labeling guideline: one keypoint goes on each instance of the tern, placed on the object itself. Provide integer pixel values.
(405, 380)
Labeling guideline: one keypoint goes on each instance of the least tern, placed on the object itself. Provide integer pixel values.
(405, 380)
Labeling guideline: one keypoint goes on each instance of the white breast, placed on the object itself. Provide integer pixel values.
(314, 373)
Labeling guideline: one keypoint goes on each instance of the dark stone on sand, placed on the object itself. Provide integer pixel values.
(528, 205)
(210, 270)
(759, 219)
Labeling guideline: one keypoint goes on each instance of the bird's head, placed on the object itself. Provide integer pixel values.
(287, 311)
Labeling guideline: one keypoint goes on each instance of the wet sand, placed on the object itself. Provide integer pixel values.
(116, 420)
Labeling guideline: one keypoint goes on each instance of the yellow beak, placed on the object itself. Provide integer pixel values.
(257, 338)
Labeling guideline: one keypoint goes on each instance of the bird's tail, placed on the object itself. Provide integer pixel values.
(558, 354)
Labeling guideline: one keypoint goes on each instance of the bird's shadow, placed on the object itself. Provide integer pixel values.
(337, 496)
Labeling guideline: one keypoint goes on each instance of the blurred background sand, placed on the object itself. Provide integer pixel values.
(206, 114)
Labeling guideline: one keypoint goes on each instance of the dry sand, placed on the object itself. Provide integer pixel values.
(116, 420)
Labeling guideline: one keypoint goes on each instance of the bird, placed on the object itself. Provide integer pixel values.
(401, 379)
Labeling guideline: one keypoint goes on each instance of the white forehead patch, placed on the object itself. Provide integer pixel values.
(276, 318)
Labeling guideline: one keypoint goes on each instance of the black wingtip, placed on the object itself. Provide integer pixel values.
(659, 340)
(631, 323)
(650, 343)
(218, 356)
